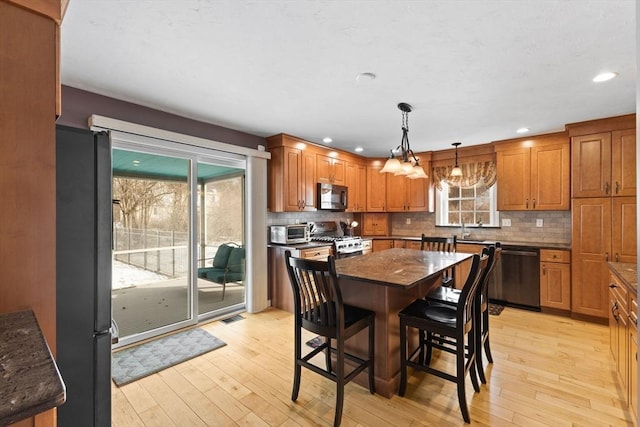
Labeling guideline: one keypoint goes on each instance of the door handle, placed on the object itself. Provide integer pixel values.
(606, 188)
(617, 187)
(606, 256)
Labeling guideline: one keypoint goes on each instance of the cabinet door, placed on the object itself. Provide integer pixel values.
(514, 174)
(555, 285)
(375, 224)
(550, 177)
(623, 230)
(417, 200)
(323, 168)
(308, 182)
(292, 177)
(591, 247)
(382, 244)
(356, 181)
(591, 165)
(338, 172)
(623, 162)
(376, 189)
(623, 351)
(633, 369)
(396, 199)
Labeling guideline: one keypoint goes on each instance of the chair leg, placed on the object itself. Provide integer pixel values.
(327, 354)
(224, 288)
(472, 359)
(460, 380)
(372, 334)
(297, 370)
(485, 335)
(478, 326)
(429, 352)
(403, 358)
(339, 381)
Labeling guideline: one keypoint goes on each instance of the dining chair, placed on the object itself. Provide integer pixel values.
(318, 308)
(451, 296)
(448, 328)
(441, 244)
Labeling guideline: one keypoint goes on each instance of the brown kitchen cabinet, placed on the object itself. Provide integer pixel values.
(376, 189)
(603, 230)
(356, 182)
(604, 164)
(555, 279)
(619, 329)
(412, 244)
(279, 287)
(633, 353)
(382, 244)
(406, 195)
(375, 224)
(292, 175)
(462, 270)
(330, 169)
(534, 174)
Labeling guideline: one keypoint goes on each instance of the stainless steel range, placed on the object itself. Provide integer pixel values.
(329, 231)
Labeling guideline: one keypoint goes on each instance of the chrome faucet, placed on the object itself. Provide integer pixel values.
(463, 233)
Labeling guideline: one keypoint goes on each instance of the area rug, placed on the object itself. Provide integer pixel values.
(495, 309)
(140, 361)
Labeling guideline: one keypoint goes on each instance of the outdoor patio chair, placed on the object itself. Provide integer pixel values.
(228, 266)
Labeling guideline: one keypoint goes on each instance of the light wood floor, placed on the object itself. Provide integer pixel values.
(548, 370)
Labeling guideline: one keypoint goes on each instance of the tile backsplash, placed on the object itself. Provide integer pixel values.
(556, 226)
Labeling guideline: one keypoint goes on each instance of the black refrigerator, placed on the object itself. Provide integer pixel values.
(83, 275)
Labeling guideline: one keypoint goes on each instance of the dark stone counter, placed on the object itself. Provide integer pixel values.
(29, 379)
(540, 245)
(627, 272)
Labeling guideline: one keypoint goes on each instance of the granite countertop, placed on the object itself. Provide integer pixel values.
(627, 272)
(541, 245)
(29, 379)
(397, 267)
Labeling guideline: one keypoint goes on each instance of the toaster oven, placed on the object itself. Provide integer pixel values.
(289, 234)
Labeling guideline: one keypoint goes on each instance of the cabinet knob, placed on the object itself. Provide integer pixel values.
(606, 188)
(606, 256)
(526, 203)
(534, 203)
(616, 256)
(617, 187)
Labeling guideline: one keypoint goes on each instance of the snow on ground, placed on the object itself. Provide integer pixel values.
(126, 276)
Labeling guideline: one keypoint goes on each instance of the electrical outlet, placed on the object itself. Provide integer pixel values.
(408, 221)
(506, 222)
(539, 222)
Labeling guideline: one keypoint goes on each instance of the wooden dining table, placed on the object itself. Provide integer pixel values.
(386, 282)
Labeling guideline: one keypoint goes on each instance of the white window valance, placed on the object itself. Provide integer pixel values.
(471, 174)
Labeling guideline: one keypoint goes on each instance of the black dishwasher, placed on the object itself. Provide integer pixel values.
(516, 279)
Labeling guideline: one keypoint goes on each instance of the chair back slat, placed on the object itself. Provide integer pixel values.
(469, 290)
(316, 294)
(438, 244)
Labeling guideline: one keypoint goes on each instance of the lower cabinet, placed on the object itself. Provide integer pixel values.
(279, 287)
(555, 279)
(623, 338)
(382, 244)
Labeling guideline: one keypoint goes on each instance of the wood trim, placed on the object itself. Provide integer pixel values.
(532, 141)
(53, 9)
(482, 152)
(601, 125)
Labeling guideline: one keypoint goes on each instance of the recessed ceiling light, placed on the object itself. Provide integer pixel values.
(603, 77)
(136, 163)
(365, 77)
(327, 140)
(359, 149)
(523, 130)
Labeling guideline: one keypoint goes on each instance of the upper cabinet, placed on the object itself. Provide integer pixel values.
(376, 188)
(533, 173)
(406, 195)
(330, 169)
(292, 175)
(603, 155)
(356, 182)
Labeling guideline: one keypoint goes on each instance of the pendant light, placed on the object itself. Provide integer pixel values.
(410, 164)
(456, 171)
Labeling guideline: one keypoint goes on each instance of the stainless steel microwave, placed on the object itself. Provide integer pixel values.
(332, 197)
(289, 234)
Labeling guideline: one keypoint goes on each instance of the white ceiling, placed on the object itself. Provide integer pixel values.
(474, 71)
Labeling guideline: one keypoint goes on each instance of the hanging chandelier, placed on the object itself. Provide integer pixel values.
(409, 165)
(456, 171)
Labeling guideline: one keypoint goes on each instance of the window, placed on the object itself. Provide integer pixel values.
(469, 206)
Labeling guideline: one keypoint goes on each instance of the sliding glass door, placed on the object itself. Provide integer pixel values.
(174, 206)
